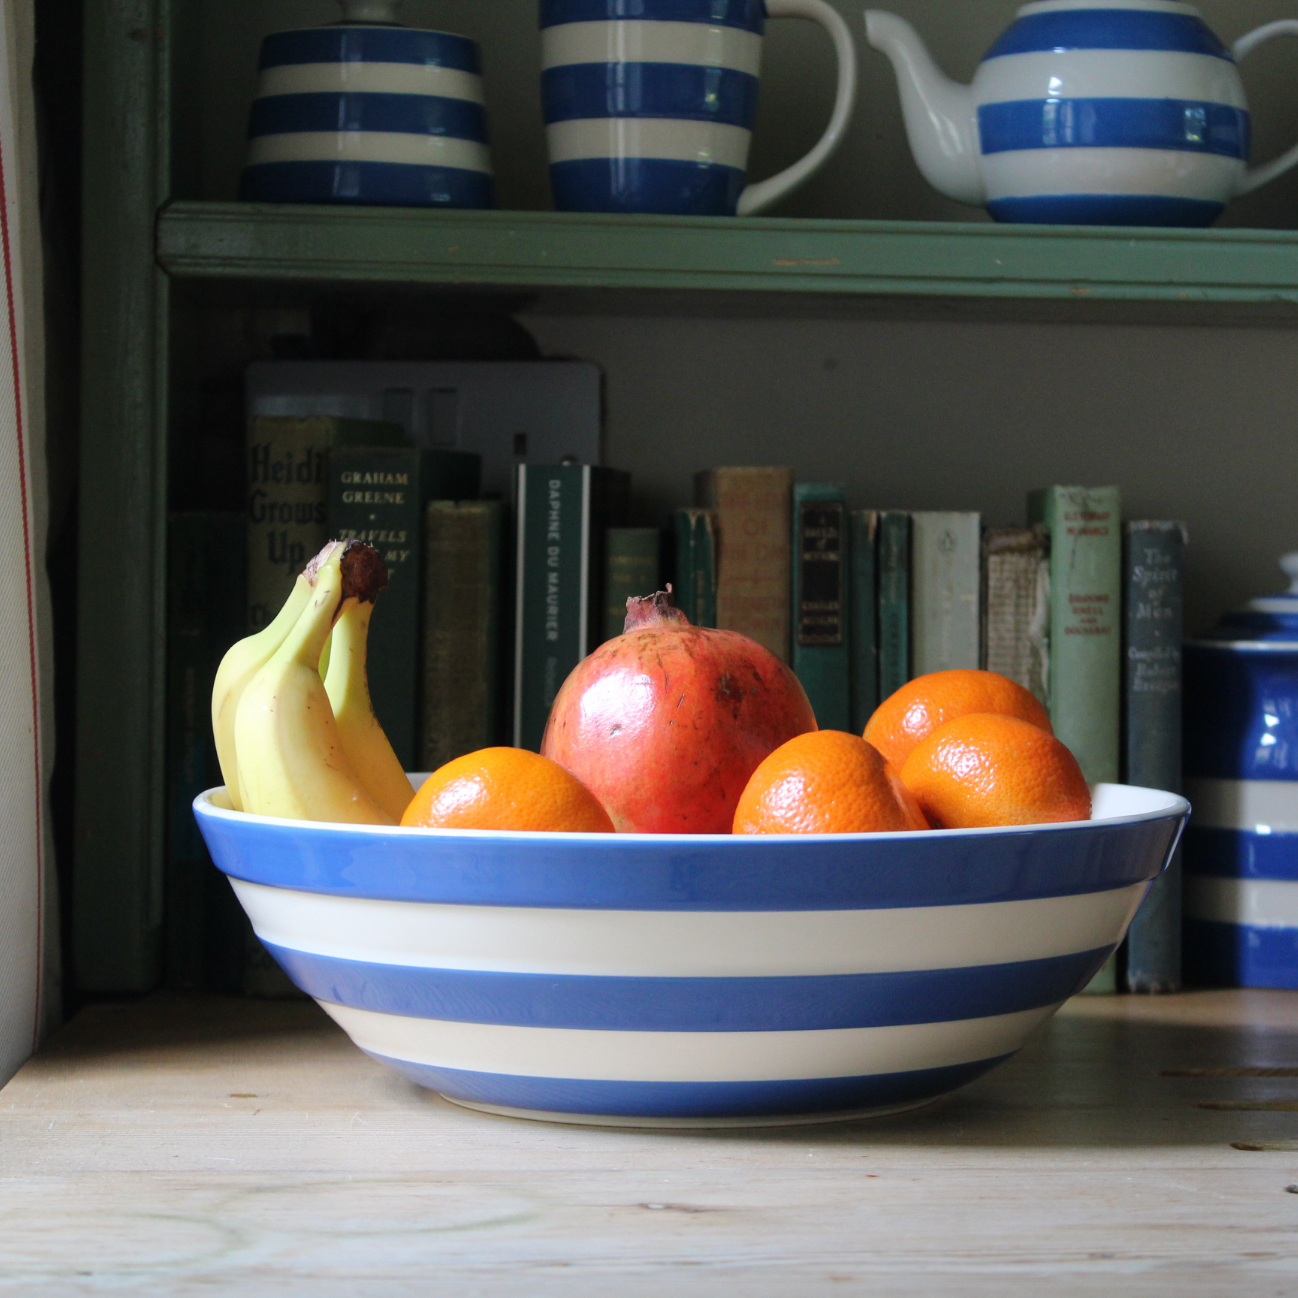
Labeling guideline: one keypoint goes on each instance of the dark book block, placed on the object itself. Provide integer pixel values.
(821, 613)
(894, 601)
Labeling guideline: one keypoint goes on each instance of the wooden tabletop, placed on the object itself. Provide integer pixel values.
(206, 1145)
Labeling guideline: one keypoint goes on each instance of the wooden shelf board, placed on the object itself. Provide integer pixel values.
(537, 250)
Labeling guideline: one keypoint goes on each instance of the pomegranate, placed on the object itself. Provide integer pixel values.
(665, 723)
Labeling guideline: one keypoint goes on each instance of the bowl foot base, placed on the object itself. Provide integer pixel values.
(695, 1124)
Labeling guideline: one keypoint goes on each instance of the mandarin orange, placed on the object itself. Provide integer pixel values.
(910, 715)
(988, 769)
(506, 788)
(826, 782)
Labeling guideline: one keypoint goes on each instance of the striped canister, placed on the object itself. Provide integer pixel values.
(369, 113)
(649, 104)
(1241, 762)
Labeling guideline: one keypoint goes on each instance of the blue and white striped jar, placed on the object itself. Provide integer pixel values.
(649, 104)
(369, 114)
(1241, 762)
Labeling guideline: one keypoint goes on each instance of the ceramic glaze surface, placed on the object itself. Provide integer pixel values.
(369, 114)
(693, 978)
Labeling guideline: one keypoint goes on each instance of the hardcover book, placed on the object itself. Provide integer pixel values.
(632, 570)
(894, 601)
(821, 605)
(1016, 606)
(864, 615)
(695, 533)
(945, 591)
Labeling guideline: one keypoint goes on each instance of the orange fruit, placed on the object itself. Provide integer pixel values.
(826, 782)
(917, 709)
(988, 769)
(506, 788)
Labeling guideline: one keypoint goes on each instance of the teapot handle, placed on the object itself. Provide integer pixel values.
(1259, 176)
(757, 198)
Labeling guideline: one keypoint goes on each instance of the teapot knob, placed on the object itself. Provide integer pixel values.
(1289, 566)
(371, 11)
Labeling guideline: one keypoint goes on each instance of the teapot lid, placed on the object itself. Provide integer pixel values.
(1267, 622)
(1153, 6)
(371, 13)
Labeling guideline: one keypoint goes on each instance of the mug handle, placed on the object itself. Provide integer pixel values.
(1263, 175)
(756, 198)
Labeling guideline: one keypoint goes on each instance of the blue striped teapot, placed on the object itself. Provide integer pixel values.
(1087, 112)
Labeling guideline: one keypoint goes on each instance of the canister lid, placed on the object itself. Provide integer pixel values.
(1269, 622)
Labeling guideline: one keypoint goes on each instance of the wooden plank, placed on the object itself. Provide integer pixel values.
(179, 1146)
(548, 249)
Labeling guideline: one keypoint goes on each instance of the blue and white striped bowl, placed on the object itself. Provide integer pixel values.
(680, 980)
(360, 114)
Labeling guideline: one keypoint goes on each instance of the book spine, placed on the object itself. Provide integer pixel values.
(864, 609)
(1153, 624)
(945, 589)
(461, 628)
(894, 601)
(1016, 606)
(754, 557)
(821, 607)
(696, 570)
(632, 570)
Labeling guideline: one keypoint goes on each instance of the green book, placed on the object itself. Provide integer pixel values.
(461, 620)
(633, 569)
(696, 564)
(822, 657)
(288, 496)
(894, 601)
(563, 512)
(945, 591)
(203, 924)
(377, 494)
(863, 603)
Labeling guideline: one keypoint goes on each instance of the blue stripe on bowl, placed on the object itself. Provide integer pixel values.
(1177, 124)
(646, 185)
(742, 873)
(1240, 854)
(460, 119)
(371, 45)
(1240, 955)
(381, 183)
(690, 1099)
(750, 15)
(1106, 209)
(1108, 29)
(786, 1004)
(577, 91)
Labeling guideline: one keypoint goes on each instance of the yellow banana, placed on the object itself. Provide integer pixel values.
(363, 740)
(291, 759)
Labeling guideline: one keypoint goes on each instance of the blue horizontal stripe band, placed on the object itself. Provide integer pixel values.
(1182, 125)
(1241, 854)
(458, 119)
(1108, 29)
(1240, 955)
(678, 91)
(394, 184)
(787, 1004)
(371, 45)
(658, 185)
(1106, 209)
(690, 1099)
(750, 15)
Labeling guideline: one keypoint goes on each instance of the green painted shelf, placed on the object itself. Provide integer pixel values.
(242, 241)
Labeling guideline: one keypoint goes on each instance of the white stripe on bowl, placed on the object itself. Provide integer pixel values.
(633, 41)
(1166, 173)
(370, 146)
(686, 944)
(370, 78)
(1112, 74)
(1260, 806)
(686, 1056)
(648, 137)
(1261, 903)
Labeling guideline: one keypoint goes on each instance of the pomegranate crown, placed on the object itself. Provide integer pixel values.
(653, 612)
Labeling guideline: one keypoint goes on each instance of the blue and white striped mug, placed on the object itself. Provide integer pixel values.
(649, 104)
(369, 112)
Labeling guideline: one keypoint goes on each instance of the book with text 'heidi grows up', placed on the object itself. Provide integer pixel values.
(945, 590)
(695, 533)
(378, 494)
(864, 606)
(1016, 606)
(821, 602)
(632, 569)
(563, 513)
(288, 498)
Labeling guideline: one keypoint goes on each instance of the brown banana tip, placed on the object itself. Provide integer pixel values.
(365, 574)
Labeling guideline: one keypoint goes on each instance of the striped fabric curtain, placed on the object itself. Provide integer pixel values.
(26, 873)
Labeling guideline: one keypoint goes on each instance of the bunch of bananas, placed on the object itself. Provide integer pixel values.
(291, 743)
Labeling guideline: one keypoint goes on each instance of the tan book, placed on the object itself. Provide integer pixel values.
(754, 550)
(1016, 606)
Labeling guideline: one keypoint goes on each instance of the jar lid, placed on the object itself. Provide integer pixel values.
(1268, 622)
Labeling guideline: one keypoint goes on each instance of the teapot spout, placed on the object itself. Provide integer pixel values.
(940, 118)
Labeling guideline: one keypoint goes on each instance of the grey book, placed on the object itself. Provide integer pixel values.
(945, 591)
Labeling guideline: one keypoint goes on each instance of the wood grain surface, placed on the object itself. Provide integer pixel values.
(204, 1146)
